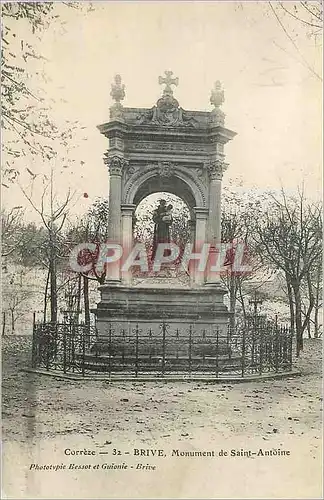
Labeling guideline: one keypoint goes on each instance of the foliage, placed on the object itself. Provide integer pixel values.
(29, 128)
(238, 219)
(92, 228)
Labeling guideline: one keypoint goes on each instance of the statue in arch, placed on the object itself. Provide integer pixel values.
(162, 218)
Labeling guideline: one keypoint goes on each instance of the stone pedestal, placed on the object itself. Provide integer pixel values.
(124, 307)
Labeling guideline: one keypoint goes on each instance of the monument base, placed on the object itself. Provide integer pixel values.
(122, 307)
(158, 328)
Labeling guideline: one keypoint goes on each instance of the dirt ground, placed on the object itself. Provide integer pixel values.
(43, 416)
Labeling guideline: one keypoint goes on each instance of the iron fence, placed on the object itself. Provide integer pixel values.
(258, 347)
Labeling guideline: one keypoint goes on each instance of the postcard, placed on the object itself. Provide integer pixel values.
(162, 250)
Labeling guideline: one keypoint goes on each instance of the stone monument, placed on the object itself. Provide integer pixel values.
(164, 149)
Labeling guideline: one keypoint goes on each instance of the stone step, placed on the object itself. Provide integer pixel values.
(168, 367)
(107, 358)
(156, 360)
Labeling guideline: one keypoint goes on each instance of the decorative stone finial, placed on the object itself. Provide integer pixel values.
(118, 94)
(217, 116)
(217, 95)
(117, 90)
(167, 80)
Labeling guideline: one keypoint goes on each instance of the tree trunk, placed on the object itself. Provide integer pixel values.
(53, 283)
(317, 300)
(308, 326)
(298, 319)
(316, 325)
(13, 321)
(242, 300)
(311, 302)
(3, 323)
(291, 304)
(86, 300)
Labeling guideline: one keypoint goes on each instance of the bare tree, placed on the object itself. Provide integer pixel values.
(53, 214)
(238, 216)
(11, 222)
(17, 292)
(16, 298)
(93, 228)
(27, 121)
(289, 237)
(305, 15)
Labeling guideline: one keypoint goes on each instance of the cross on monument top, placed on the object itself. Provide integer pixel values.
(168, 80)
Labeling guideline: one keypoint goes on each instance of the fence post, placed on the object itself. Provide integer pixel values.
(48, 345)
(84, 337)
(34, 345)
(124, 341)
(136, 351)
(109, 349)
(217, 352)
(261, 337)
(277, 350)
(190, 348)
(230, 334)
(150, 344)
(71, 348)
(256, 326)
(290, 347)
(243, 352)
(203, 337)
(64, 349)
(285, 347)
(163, 346)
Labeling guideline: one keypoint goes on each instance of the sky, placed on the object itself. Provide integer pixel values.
(272, 100)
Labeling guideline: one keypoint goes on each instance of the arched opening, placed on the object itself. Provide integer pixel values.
(173, 185)
(144, 226)
(180, 234)
(141, 195)
(180, 184)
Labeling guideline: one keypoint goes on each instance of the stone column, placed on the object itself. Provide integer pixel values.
(115, 165)
(215, 169)
(200, 239)
(192, 229)
(127, 212)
